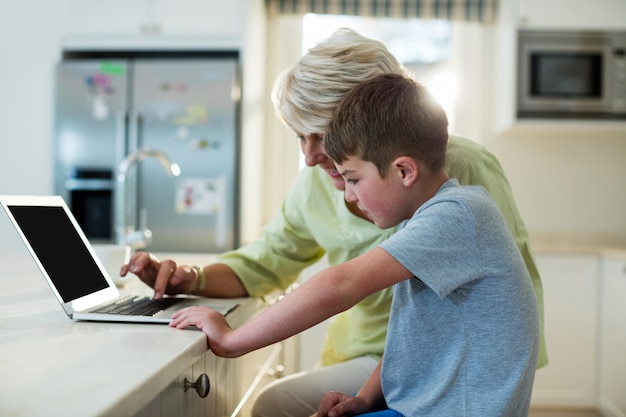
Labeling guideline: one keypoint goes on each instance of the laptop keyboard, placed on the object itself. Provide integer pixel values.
(137, 306)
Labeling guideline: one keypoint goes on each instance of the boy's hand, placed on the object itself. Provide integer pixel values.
(211, 322)
(336, 404)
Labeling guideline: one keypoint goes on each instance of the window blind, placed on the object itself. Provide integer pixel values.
(465, 10)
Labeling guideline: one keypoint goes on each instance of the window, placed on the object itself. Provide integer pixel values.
(423, 46)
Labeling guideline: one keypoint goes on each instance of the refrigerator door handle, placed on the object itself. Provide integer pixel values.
(139, 138)
(121, 133)
(133, 132)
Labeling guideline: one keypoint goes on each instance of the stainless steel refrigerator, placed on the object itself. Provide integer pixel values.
(123, 120)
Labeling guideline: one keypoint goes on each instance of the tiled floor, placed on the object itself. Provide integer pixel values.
(546, 412)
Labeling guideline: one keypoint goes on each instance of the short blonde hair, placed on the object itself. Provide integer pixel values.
(306, 94)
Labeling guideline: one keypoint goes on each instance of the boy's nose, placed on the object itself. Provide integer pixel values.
(349, 195)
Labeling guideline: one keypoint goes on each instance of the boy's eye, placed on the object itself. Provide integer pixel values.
(351, 181)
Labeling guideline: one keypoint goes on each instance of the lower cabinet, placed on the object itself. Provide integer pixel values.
(612, 392)
(188, 395)
(585, 319)
(232, 386)
(251, 374)
(571, 290)
(220, 387)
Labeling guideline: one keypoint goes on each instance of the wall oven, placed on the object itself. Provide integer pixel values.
(90, 193)
(567, 74)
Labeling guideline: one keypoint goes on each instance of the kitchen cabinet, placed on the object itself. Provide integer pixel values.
(256, 369)
(175, 400)
(571, 289)
(580, 14)
(156, 17)
(612, 392)
(233, 384)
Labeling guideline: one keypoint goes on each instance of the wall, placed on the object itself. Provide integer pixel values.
(281, 145)
(30, 45)
(26, 83)
(569, 178)
(569, 182)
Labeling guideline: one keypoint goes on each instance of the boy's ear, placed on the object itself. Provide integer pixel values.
(407, 170)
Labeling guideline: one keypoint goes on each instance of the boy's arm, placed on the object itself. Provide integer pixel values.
(372, 391)
(327, 293)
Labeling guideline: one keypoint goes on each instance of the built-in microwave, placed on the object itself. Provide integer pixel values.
(567, 74)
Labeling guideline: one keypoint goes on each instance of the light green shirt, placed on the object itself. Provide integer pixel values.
(314, 221)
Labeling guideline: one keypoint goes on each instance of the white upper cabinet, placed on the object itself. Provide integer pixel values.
(156, 17)
(572, 14)
(201, 16)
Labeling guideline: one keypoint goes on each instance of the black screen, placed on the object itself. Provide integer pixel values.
(60, 250)
(566, 75)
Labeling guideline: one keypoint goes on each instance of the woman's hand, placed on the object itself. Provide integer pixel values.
(166, 277)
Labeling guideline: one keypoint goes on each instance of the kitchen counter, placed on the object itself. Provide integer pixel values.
(603, 246)
(53, 366)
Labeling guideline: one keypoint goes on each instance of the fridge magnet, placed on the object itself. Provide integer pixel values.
(112, 68)
(193, 115)
(99, 108)
(200, 196)
(99, 88)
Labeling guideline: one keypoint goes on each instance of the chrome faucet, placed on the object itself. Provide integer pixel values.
(125, 232)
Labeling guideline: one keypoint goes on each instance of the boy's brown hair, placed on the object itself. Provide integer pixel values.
(386, 117)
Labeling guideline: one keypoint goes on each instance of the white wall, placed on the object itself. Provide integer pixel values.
(30, 45)
(569, 178)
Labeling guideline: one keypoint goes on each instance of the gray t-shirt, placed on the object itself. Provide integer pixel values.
(463, 333)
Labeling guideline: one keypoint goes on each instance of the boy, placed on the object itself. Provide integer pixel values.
(463, 331)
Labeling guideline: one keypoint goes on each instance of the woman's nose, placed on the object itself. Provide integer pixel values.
(313, 151)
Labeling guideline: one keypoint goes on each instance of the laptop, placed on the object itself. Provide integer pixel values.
(75, 274)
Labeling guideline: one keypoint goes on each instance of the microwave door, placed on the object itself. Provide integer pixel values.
(564, 80)
(571, 74)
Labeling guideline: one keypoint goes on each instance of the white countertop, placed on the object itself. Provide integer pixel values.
(595, 245)
(51, 365)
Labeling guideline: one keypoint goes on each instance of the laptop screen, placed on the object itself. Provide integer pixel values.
(60, 250)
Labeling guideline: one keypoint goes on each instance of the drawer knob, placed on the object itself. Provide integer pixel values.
(202, 385)
(277, 372)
